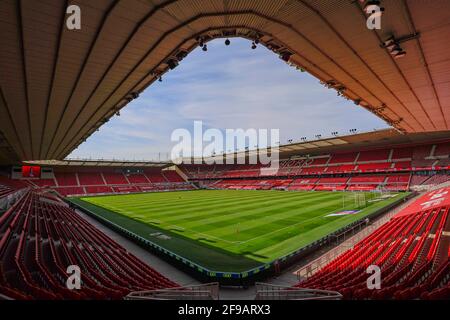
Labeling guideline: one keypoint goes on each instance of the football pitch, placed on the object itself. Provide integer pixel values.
(235, 230)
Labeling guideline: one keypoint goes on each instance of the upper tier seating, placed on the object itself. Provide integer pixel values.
(411, 251)
(115, 178)
(343, 158)
(379, 160)
(442, 150)
(116, 182)
(43, 182)
(421, 152)
(423, 163)
(155, 177)
(341, 169)
(68, 179)
(137, 178)
(172, 176)
(39, 240)
(374, 155)
(318, 161)
(90, 179)
(402, 153)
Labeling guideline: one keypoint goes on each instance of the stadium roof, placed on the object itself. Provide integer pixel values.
(58, 86)
(359, 141)
(99, 163)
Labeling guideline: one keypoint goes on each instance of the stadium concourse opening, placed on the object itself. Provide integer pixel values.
(359, 216)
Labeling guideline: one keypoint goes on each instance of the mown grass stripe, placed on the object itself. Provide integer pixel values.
(260, 225)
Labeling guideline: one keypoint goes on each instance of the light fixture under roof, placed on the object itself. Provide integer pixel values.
(392, 45)
(401, 54)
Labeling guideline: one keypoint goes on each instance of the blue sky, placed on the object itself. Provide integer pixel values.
(226, 87)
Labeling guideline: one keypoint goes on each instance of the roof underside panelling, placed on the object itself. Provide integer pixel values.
(57, 86)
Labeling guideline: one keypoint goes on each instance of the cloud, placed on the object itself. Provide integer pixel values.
(226, 87)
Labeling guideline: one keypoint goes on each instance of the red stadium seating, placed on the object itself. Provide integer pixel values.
(445, 163)
(155, 177)
(43, 182)
(414, 263)
(304, 187)
(98, 189)
(313, 170)
(331, 187)
(125, 189)
(71, 191)
(39, 240)
(402, 153)
(341, 169)
(374, 155)
(90, 179)
(422, 152)
(66, 179)
(368, 167)
(343, 158)
(437, 179)
(442, 150)
(137, 178)
(116, 182)
(319, 161)
(342, 180)
(417, 180)
(399, 178)
(367, 179)
(115, 178)
(402, 165)
(380, 160)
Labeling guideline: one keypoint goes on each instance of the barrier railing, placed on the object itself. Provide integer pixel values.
(209, 291)
(3, 297)
(266, 291)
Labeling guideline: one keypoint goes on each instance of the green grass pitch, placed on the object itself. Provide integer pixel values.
(233, 230)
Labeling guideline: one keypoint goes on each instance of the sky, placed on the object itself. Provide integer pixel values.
(227, 87)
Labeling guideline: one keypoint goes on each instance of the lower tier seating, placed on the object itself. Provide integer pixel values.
(5, 191)
(40, 239)
(412, 252)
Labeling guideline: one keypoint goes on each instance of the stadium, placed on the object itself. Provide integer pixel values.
(358, 216)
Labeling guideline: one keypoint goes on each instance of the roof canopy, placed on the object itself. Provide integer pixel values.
(57, 86)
